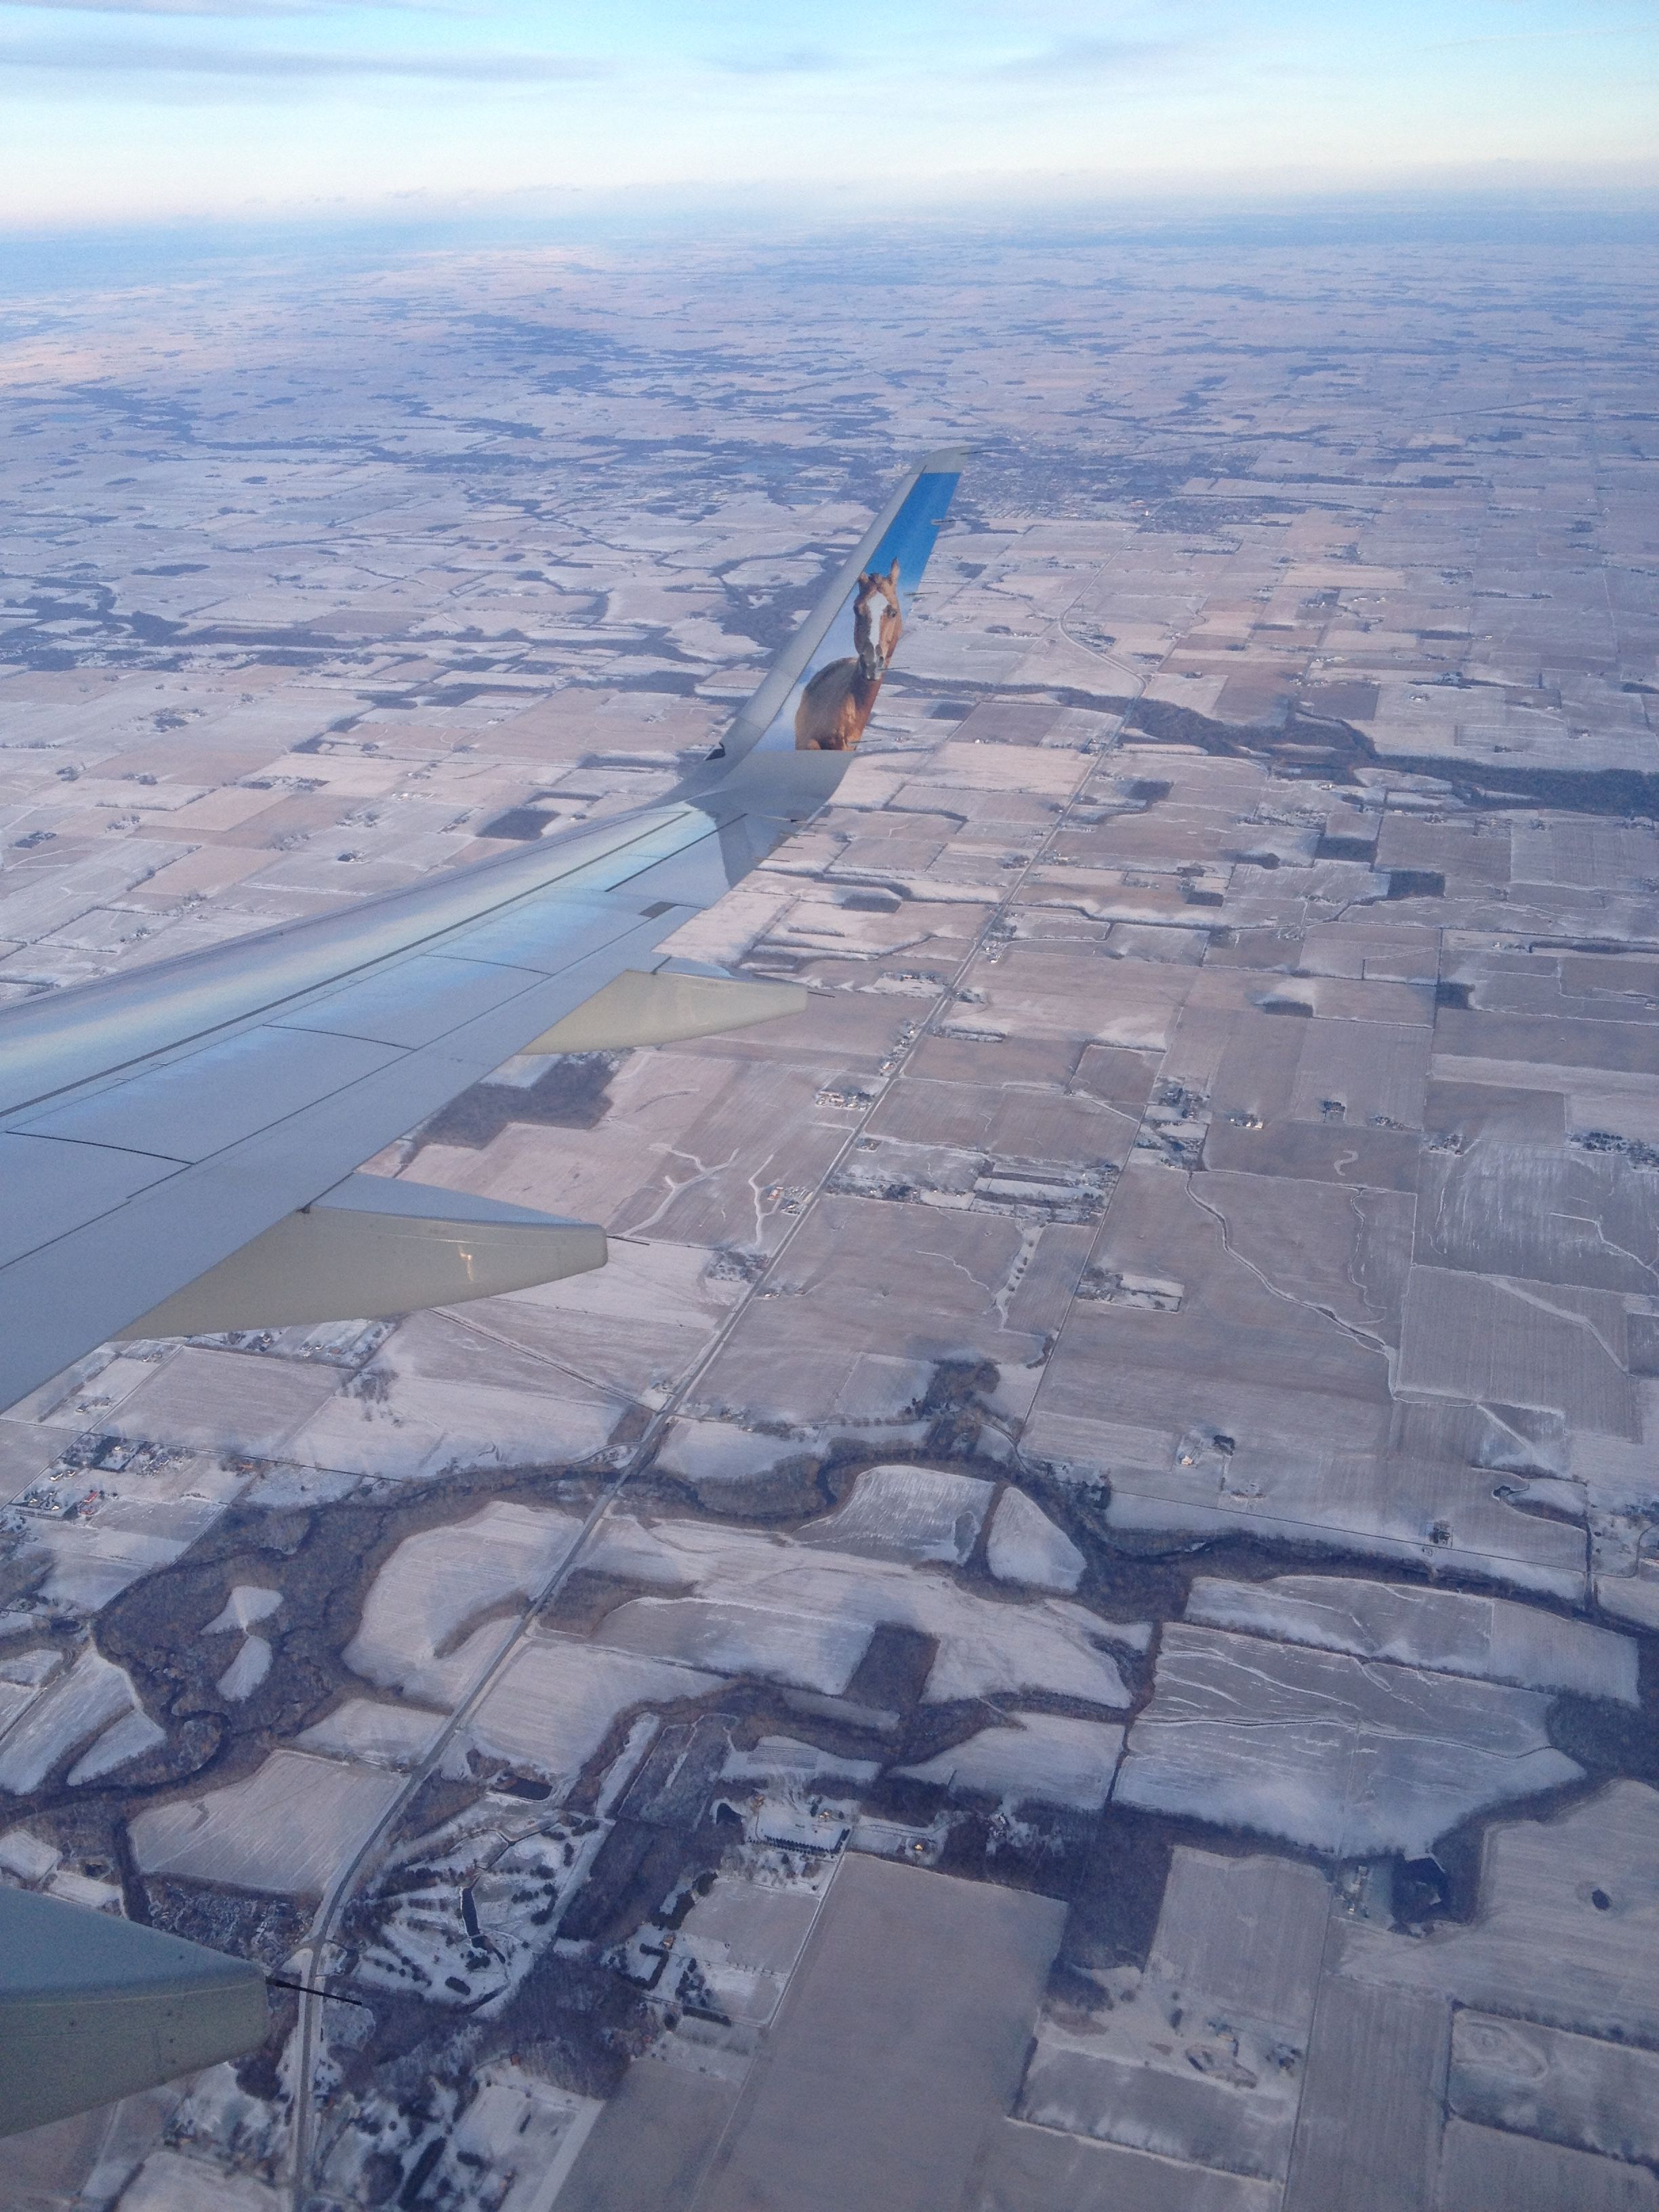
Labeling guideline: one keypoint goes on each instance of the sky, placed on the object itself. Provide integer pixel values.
(120, 112)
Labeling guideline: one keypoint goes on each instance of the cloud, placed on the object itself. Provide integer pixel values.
(279, 66)
(1641, 30)
(1091, 56)
(794, 61)
(211, 7)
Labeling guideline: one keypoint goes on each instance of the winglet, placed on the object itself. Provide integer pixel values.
(905, 530)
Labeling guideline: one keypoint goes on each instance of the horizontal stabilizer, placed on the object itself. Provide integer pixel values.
(92, 2007)
(373, 1247)
(665, 1007)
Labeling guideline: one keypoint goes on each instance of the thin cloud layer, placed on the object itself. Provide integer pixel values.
(230, 10)
(121, 58)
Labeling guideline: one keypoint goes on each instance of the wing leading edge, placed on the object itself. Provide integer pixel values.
(178, 1145)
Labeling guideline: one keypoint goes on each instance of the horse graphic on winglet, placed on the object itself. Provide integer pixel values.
(836, 705)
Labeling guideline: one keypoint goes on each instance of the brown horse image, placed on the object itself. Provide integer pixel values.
(836, 705)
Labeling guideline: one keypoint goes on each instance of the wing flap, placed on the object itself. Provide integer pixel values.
(663, 1007)
(374, 1247)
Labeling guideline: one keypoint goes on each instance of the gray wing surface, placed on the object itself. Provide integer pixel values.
(177, 1145)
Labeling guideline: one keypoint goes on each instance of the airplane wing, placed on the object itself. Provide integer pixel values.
(178, 1145)
(179, 1148)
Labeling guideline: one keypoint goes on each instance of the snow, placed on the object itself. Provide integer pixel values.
(383, 1734)
(247, 1603)
(1634, 1598)
(63, 1719)
(803, 1648)
(1041, 1757)
(247, 1670)
(285, 1829)
(528, 2132)
(744, 1939)
(1026, 1547)
(774, 1594)
(418, 1633)
(169, 2183)
(776, 1756)
(27, 1855)
(713, 1452)
(1495, 1639)
(124, 1740)
(522, 1867)
(907, 1513)
(84, 1889)
(1341, 1755)
(93, 1561)
(557, 1699)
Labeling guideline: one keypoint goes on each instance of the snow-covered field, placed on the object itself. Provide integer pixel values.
(743, 1601)
(28, 1856)
(1450, 1630)
(716, 1454)
(745, 1936)
(169, 2183)
(556, 1700)
(384, 1735)
(94, 1700)
(247, 1670)
(782, 1758)
(1041, 1757)
(87, 1563)
(1026, 1547)
(248, 1603)
(809, 1650)
(285, 1829)
(414, 1635)
(1345, 1755)
(907, 1513)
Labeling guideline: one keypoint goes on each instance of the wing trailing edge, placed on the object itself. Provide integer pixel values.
(667, 1006)
(374, 1247)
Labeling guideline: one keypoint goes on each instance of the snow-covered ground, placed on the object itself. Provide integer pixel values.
(417, 1633)
(907, 1513)
(247, 1604)
(517, 1867)
(285, 1829)
(168, 2182)
(749, 1603)
(781, 1756)
(1346, 1755)
(557, 1699)
(809, 1650)
(1041, 1757)
(92, 1709)
(383, 1734)
(1451, 1631)
(1026, 1547)
(247, 1670)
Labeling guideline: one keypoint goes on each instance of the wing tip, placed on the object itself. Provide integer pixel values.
(945, 460)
